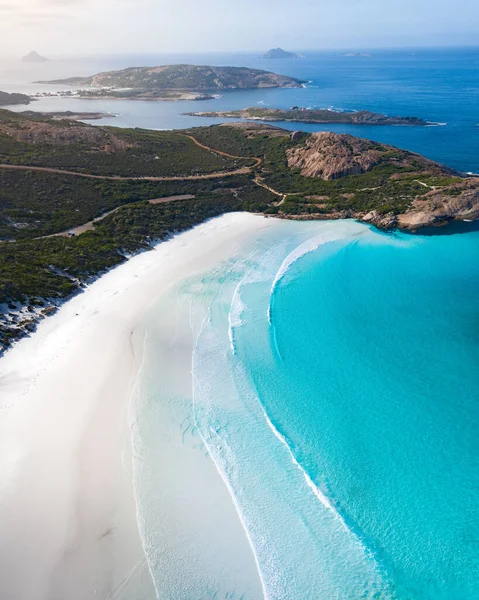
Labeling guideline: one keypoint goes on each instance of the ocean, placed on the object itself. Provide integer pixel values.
(335, 367)
(438, 85)
(335, 388)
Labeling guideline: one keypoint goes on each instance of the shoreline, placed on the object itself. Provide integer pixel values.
(450, 226)
(66, 393)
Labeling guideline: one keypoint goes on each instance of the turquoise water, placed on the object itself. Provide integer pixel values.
(336, 386)
(336, 377)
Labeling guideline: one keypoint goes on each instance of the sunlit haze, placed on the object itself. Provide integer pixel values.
(72, 27)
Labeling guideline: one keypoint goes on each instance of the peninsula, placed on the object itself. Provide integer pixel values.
(174, 82)
(7, 99)
(306, 115)
(278, 53)
(77, 200)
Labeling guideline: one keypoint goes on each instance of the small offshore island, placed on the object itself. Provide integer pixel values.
(279, 53)
(172, 82)
(308, 115)
(7, 99)
(77, 200)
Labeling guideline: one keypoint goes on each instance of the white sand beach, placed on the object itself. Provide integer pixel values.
(68, 515)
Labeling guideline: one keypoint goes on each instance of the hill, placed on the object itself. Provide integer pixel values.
(103, 151)
(307, 115)
(275, 53)
(185, 78)
(334, 156)
(57, 177)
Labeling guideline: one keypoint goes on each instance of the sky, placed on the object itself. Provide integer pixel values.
(87, 27)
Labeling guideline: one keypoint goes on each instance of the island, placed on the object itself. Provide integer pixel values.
(307, 115)
(278, 53)
(174, 82)
(7, 99)
(77, 200)
(34, 57)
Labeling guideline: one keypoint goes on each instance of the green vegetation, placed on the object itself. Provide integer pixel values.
(374, 190)
(307, 115)
(34, 204)
(183, 77)
(36, 272)
(105, 150)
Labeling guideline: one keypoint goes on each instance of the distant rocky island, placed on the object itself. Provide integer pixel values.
(307, 115)
(174, 82)
(34, 57)
(12, 99)
(275, 53)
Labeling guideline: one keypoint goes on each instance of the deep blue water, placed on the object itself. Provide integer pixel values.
(437, 85)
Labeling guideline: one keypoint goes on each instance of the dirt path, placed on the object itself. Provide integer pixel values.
(240, 171)
(429, 187)
(90, 226)
(257, 160)
(282, 197)
(217, 174)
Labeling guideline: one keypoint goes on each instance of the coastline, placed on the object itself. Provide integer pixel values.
(65, 400)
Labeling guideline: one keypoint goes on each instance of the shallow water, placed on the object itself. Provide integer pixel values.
(335, 373)
(335, 387)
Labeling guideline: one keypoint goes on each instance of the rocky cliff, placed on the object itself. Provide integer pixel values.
(332, 155)
(458, 202)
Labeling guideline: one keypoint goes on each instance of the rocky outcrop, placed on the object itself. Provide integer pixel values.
(458, 202)
(331, 155)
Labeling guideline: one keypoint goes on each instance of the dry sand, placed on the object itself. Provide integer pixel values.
(68, 515)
